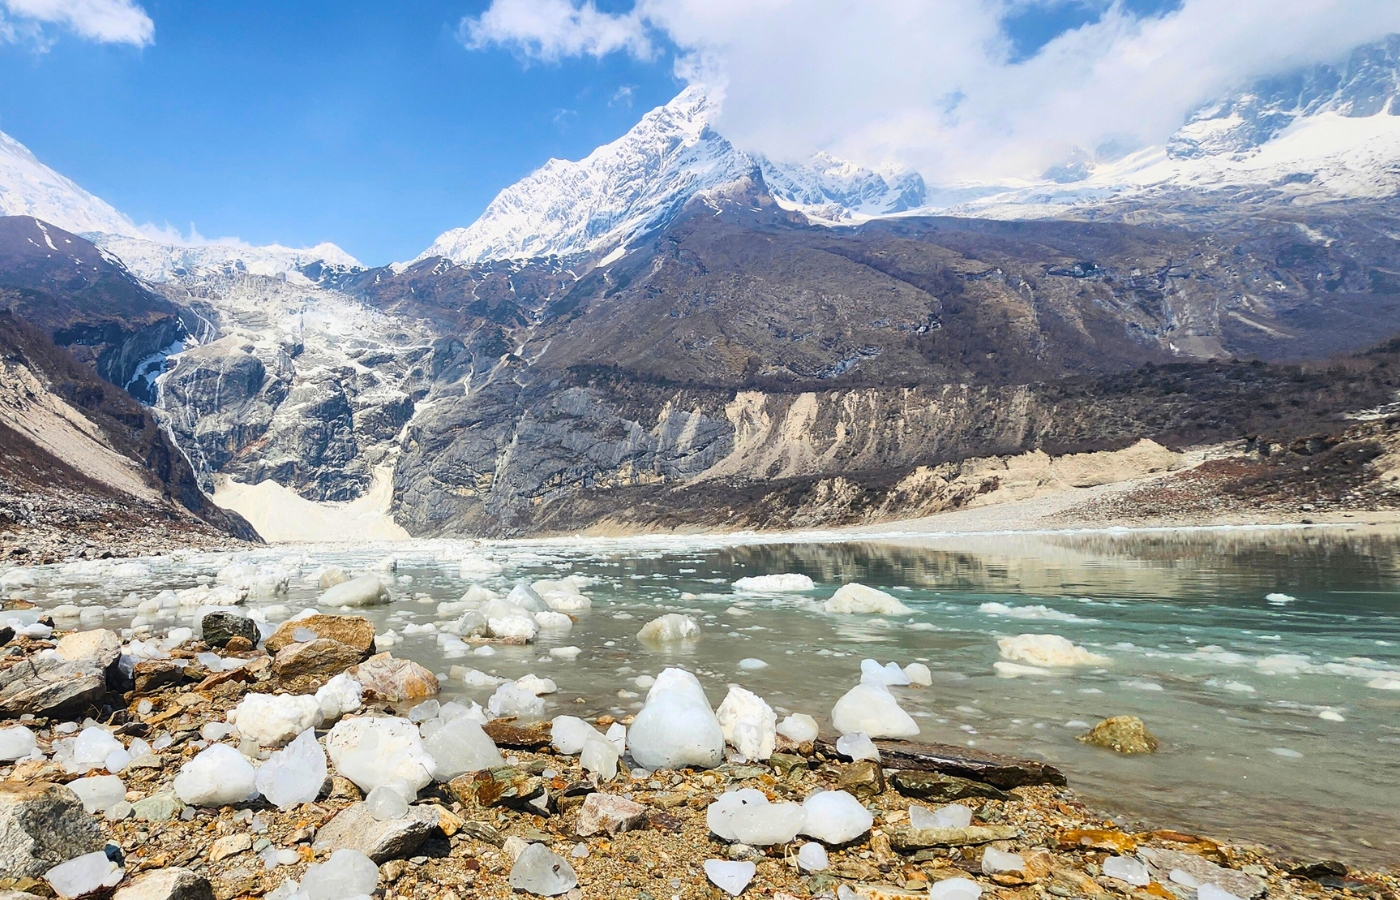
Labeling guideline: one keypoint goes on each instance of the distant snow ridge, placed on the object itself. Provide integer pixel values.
(158, 261)
(637, 183)
(30, 188)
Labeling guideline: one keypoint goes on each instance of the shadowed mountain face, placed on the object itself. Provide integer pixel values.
(85, 300)
(740, 358)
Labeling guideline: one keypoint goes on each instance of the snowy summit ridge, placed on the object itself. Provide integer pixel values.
(30, 188)
(635, 184)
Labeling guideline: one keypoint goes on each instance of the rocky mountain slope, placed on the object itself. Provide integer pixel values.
(81, 457)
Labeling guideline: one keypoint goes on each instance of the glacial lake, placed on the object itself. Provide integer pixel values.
(1266, 660)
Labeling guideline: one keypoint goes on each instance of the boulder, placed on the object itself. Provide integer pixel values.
(153, 674)
(909, 839)
(395, 679)
(41, 826)
(355, 828)
(43, 685)
(1121, 734)
(319, 657)
(166, 884)
(218, 628)
(355, 631)
(100, 647)
(609, 813)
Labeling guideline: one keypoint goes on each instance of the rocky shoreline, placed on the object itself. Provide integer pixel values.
(148, 771)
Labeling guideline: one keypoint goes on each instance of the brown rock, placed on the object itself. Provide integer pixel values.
(609, 813)
(153, 674)
(863, 779)
(319, 657)
(1121, 734)
(908, 839)
(229, 845)
(530, 736)
(500, 786)
(944, 788)
(395, 679)
(353, 631)
(1098, 839)
(354, 828)
(238, 645)
(166, 884)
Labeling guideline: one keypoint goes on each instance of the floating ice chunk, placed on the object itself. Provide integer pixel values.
(872, 709)
(999, 862)
(84, 875)
(341, 695)
(799, 727)
(955, 889)
(524, 596)
(669, 629)
(474, 677)
(424, 711)
(460, 746)
(749, 724)
(347, 874)
(511, 699)
(16, 742)
(954, 815)
(540, 871)
(600, 756)
(386, 803)
(99, 792)
(871, 672)
(1331, 715)
(218, 776)
(548, 620)
(274, 719)
(375, 751)
(746, 816)
(1038, 612)
(293, 775)
(1016, 670)
(1047, 650)
(857, 746)
(478, 568)
(835, 817)
(1284, 664)
(536, 685)
(1285, 752)
(565, 652)
(568, 733)
(751, 664)
(505, 619)
(367, 590)
(676, 727)
(1127, 869)
(811, 857)
(730, 877)
(918, 673)
(774, 584)
(562, 595)
(857, 598)
(1280, 599)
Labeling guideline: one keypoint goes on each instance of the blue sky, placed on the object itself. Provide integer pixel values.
(374, 126)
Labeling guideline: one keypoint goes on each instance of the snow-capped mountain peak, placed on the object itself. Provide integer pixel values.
(828, 188)
(30, 188)
(619, 191)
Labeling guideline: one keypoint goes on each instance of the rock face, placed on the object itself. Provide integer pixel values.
(166, 884)
(47, 685)
(42, 825)
(353, 631)
(218, 628)
(355, 828)
(318, 657)
(1122, 734)
(395, 679)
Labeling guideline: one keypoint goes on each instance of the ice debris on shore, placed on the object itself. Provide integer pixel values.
(460, 746)
(748, 723)
(730, 877)
(375, 751)
(676, 727)
(799, 728)
(1047, 651)
(954, 815)
(835, 817)
(539, 870)
(747, 817)
(83, 875)
(218, 776)
(872, 709)
(857, 598)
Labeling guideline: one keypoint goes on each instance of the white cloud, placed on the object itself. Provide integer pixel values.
(552, 29)
(929, 82)
(108, 21)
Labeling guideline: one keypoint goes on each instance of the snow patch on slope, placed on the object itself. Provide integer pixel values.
(30, 188)
(161, 262)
